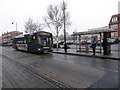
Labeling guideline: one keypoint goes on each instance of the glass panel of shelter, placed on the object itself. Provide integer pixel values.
(81, 47)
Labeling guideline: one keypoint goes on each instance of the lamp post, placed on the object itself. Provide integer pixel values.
(16, 27)
(65, 45)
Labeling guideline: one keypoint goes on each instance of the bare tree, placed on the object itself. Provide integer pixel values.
(31, 26)
(55, 19)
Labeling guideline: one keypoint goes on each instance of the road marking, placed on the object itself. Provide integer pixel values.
(55, 81)
(108, 70)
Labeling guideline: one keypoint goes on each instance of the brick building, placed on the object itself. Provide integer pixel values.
(6, 37)
(115, 24)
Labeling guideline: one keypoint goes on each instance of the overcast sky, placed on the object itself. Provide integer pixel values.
(85, 14)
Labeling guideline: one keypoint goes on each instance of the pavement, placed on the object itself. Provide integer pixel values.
(115, 52)
(15, 76)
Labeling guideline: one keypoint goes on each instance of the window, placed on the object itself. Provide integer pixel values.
(21, 41)
(114, 26)
(45, 40)
(114, 19)
(25, 42)
(113, 34)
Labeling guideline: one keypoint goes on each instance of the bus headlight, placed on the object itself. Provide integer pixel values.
(39, 49)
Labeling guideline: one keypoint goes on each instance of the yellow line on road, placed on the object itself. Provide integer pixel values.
(55, 81)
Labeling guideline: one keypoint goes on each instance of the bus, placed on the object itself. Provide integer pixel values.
(37, 42)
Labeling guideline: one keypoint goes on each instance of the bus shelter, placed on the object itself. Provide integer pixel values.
(104, 39)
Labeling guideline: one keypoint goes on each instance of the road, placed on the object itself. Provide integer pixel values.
(72, 71)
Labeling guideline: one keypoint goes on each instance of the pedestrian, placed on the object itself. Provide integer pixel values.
(93, 45)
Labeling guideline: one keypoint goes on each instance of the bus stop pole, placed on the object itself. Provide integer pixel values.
(76, 42)
(80, 42)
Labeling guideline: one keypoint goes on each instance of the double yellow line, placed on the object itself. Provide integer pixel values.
(56, 82)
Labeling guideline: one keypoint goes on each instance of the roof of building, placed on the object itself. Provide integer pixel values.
(118, 21)
(5, 33)
(21, 36)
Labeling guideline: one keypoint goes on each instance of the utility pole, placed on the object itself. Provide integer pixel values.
(65, 45)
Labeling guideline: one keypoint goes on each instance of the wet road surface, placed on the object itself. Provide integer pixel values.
(88, 61)
(75, 71)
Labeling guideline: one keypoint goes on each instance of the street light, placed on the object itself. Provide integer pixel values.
(15, 24)
(16, 27)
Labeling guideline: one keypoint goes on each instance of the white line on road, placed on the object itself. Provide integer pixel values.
(108, 70)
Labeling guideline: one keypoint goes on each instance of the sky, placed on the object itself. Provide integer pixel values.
(84, 14)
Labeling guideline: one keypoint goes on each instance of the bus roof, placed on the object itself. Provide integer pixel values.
(40, 32)
(23, 35)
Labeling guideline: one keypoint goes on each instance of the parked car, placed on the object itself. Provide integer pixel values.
(111, 41)
(9, 44)
(69, 42)
(72, 42)
(80, 42)
(114, 40)
(55, 45)
(60, 42)
(98, 42)
(83, 42)
(89, 41)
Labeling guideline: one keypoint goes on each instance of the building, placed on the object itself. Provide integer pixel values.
(115, 24)
(6, 37)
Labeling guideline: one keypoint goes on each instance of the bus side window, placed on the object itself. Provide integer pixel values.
(24, 41)
(18, 42)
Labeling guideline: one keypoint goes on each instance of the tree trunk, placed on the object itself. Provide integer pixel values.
(57, 37)
(57, 43)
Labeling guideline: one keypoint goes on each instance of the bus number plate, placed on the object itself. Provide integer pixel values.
(46, 47)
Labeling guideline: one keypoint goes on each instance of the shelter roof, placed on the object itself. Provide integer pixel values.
(95, 31)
